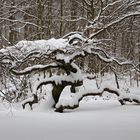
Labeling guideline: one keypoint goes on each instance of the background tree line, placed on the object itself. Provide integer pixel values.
(44, 19)
(113, 24)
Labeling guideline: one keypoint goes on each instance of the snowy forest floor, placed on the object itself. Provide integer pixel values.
(93, 120)
(97, 118)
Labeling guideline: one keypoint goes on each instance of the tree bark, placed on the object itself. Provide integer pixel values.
(56, 92)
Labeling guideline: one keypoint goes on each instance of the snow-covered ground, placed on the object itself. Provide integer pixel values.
(97, 118)
(93, 120)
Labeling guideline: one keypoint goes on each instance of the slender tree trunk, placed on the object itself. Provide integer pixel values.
(12, 32)
(40, 22)
(61, 14)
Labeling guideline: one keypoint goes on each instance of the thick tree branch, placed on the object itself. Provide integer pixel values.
(74, 102)
(34, 68)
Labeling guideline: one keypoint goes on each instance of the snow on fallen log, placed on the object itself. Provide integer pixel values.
(74, 102)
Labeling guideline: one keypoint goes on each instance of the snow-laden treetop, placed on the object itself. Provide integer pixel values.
(42, 45)
(25, 46)
(65, 50)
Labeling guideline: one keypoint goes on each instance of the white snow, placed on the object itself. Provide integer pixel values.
(28, 99)
(77, 36)
(24, 47)
(90, 88)
(94, 120)
(58, 79)
(36, 67)
(45, 45)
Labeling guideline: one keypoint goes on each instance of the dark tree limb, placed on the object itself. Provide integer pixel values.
(31, 102)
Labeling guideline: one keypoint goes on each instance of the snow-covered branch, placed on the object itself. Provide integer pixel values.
(20, 21)
(60, 52)
(114, 23)
(74, 102)
(34, 68)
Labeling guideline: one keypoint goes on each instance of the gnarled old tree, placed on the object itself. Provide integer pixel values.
(62, 54)
(30, 57)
